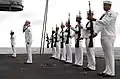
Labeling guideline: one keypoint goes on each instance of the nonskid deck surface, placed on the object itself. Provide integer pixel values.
(45, 68)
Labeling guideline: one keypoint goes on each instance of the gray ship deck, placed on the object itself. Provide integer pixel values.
(45, 68)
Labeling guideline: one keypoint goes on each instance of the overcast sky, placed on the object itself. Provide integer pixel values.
(58, 11)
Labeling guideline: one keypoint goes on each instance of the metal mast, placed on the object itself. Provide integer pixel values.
(44, 29)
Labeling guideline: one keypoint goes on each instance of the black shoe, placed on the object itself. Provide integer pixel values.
(52, 58)
(27, 63)
(61, 60)
(76, 65)
(13, 57)
(101, 74)
(67, 63)
(107, 75)
(87, 69)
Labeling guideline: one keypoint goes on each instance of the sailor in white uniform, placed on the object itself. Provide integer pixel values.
(12, 38)
(106, 25)
(62, 43)
(28, 41)
(78, 34)
(91, 66)
(57, 43)
(52, 41)
(68, 42)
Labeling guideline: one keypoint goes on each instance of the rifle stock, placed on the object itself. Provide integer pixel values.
(47, 39)
(91, 28)
(68, 26)
(78, 19)
(52, 39)
(56, 36)
(62, 42)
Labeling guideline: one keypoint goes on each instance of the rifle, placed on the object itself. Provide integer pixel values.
(68, 30)
(56, 36)
(47, 39)
(52, 38)
(78, 19)
(91, 28)
(62, 26)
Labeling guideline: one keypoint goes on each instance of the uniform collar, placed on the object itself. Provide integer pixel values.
(106, 12)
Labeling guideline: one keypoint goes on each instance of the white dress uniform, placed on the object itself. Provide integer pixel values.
(54, 52)
(63, 50)
(28, 41)
(12, 38)
(53, 48)
(107, 27)
(68, 48)
(57, 56)
(78, 50)
(89, 50)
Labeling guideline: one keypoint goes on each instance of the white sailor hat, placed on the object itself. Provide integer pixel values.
(11, 30)
(107, 2)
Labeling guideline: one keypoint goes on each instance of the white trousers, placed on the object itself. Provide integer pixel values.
(58, 50)
(108, 49)
(79, 54)
(63, 52)
(29, 52)
(90, 55)
(13, 50)
(68, 53)
(54, 52)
